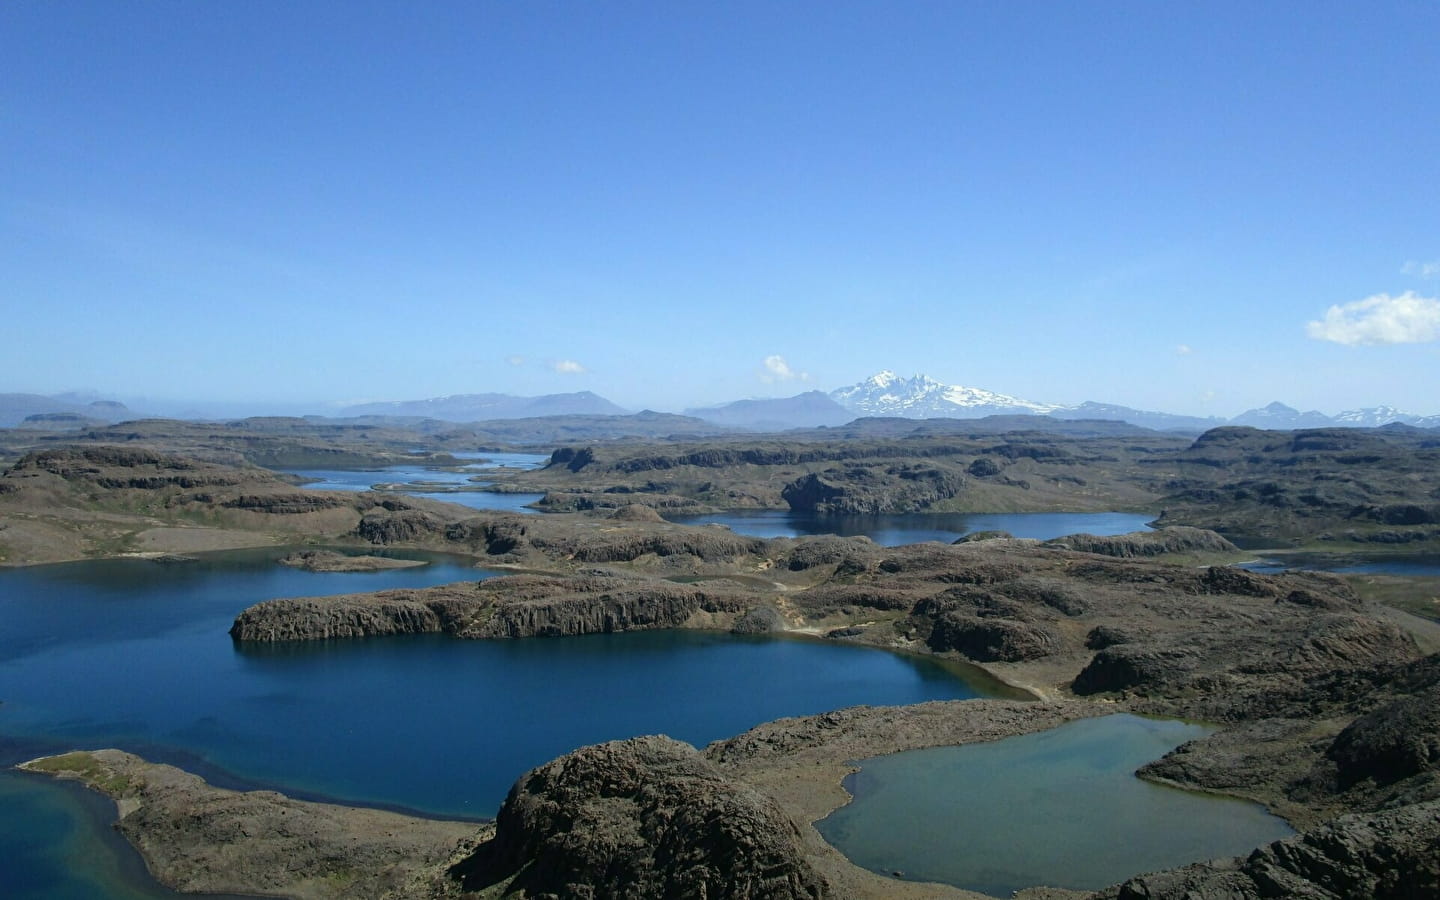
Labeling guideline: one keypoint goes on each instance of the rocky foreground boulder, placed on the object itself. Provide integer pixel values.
(642, 818)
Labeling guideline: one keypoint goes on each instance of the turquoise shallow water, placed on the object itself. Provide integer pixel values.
(1060, 808)
(135, 654)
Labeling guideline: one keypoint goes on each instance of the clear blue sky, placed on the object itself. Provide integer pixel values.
(1150, 203)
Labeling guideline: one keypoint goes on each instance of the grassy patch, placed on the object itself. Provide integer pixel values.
(1416, 594)
(87, 768)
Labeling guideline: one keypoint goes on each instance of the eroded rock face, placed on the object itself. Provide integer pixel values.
(646, 817)
(513, 607)
(1176, 539)
(1396, 741)
(991, 640)
(1392, 855)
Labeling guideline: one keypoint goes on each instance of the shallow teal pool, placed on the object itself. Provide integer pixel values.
(1060, 808)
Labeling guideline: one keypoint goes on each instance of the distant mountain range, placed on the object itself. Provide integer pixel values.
(887, 395)
(813, 409)
(485, 407)
(884, 395)
(61, 410)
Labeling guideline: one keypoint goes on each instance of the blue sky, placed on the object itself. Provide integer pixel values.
(1195, 207)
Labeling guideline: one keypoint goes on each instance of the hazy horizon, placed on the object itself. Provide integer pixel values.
(241, 408)
(1191, 209)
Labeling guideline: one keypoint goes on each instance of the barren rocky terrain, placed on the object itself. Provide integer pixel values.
(1326, 700)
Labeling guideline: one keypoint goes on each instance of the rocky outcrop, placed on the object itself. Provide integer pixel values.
(331, 561)
(511, 607)
(343, 616)
(991, 640)
(1343, 485)
(287, 504)
(635, 512)
(1397, 741)
(1126, 667)
(635, 607)
(1388, 855)
(386, 526)
(1175, 539)
(760, 620)
(643, 818)
(873, 489)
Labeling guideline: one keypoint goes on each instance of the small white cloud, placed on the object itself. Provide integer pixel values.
(567, 367)
(777, 369)
(1381, 319)
(515, 360)
(1422, 269)
(1183, 349)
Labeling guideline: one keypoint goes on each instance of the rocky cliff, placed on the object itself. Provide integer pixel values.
(509, 607)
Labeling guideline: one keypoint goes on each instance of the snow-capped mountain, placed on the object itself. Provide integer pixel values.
(1376, 416)
(922, 397)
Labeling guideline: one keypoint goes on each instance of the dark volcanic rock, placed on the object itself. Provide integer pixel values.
(624, 608)
(991, 640)
(635, 512)
(1102, 636)
(318, 619)
(513, 607)
(287, 504)
(759, 620)
(811, 493)
(1390, 855)
(644, 818)
(1391, 743)
(1176, 539)
(383, 526)
(1124, 666)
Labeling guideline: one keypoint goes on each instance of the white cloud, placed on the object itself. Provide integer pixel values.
(1381, 319)
(515, 360)
(1183, 349)
(1429, 269)
(567, 367)
(777, 369)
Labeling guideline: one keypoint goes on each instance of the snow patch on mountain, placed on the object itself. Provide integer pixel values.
(922, 397)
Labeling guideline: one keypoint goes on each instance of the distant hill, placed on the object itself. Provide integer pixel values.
(1160, 421)
(486, 407)
(813, 409)
(1279, 417)
(16, 408)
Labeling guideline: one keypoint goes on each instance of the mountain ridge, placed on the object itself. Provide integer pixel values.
(490, 407)
(886, 394)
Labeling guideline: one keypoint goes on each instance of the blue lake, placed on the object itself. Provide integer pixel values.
(437, 484)
(913, 528)
(1060, 808)
(134, 654)
(1426, 564)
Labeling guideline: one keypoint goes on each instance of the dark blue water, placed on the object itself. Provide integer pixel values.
(1060, 808)
(913, 528)
(419, 478)
(134, 654)
(1427, 564)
